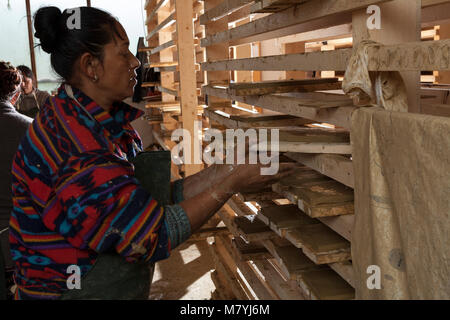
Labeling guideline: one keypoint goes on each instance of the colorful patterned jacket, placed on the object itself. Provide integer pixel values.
(75, 196)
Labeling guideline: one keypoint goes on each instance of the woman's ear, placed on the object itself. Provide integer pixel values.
(89, 66)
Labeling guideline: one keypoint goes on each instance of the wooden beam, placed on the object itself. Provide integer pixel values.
(250, 251)
(236, 122)
(269, 6)
(31, 41)
(321, 61)
(155, 9)
(410, 56)
(282, 218)
(343, 225)
(217, 52)
(319, 243)
(308, 140)
(162, 25)
(261, 292)
(321, 107)
(221, 10)
(345, 270)
(292, 260)
(334, 166)
(316, 194)
(282, 86)
(303, 13)
(166, 45)
(204, 233)
(284, 289)
(325, 284)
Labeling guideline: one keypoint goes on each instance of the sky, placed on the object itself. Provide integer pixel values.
(14, 45)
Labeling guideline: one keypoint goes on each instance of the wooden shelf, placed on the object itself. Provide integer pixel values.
(329, 108)
(262, 62)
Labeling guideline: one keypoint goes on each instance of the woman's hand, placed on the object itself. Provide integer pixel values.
(248, 178)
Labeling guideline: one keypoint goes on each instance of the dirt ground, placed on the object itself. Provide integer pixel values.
(185, 275)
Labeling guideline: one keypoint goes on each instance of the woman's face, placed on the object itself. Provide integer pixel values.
(117, 76)
(27, 85)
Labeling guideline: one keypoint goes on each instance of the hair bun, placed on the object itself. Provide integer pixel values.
(47, 23)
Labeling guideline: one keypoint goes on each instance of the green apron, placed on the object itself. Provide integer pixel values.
(111, 277)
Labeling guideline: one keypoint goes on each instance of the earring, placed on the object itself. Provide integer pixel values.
(95, 78)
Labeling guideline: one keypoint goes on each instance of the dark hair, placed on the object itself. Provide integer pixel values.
(66, 45)
(26, 72)
(9, 80)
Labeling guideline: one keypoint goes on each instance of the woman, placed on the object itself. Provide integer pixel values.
(76, 198)
(13, 127)
(32, 98)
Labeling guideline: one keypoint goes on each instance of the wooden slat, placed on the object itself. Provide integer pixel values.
(239, 207)
(222, 9)
(259, 196)
(157, 7)
(170, 91)
(334, 166)
(284, 218)
(284, 289)
(319, 243)
(166, 45)
(250, 251)
(162, 25)
(315, 106)
(269, 6)
(253, 231)
(259, 290)
(307, 140)
(412, 56)
(320, 61)
(259, 121)
(149, 84)
(222, 292)
(231, 280)
(306, 12)
(205, 233)
(291, 260)
(283, 86)
(345, 270)
(326, 285)
(342, 225)
(315, 194)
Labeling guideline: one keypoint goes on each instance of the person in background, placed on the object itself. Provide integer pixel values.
(32, 99)
(13, 126)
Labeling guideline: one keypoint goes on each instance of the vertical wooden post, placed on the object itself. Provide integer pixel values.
(88, 2)
(393, 31)
(188, 79)
(167, 78)
(443, 77)
(217, 52)
(30, 40)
